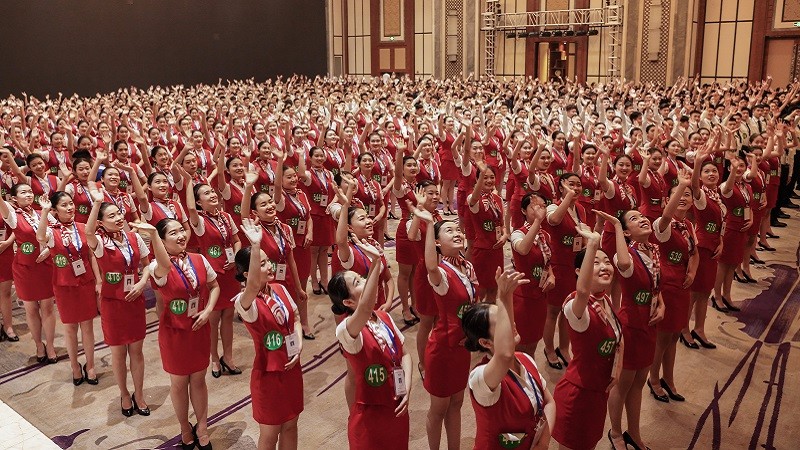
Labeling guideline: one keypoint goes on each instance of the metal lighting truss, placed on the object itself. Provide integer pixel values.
(608, 16)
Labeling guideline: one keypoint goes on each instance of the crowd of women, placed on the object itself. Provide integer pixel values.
(624, 208)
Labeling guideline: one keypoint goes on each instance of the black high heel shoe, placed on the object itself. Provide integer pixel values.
(555, 365)
(703, 343)
(729, 305)
(561, 357)
(754, 260)
(216, 373)
(692, 345)
(227, 368)
(126, 412)
(630, 442)
(765, 247)
(50, 360)
(93, 381)
(738, 278)
(610, 439)
(387, 238)
(716, 306)
(140, 411)
(392, 216)
(662, 398)
(197, 440)
(672, 395)
(189, 446)
(748, 278)
(773, 236)
(78, 381)
(309, 336)
(42, 359)
(4, 336)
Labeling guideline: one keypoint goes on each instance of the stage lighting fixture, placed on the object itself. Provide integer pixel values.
(581, 33)
(546, 34)
(523, 34)
(593, 32)
(510, 35)
(569, 33)
(533, 34)
(558, 33)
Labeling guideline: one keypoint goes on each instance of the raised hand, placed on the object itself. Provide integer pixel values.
(420, 212)
(252, 231)
(587, 233)
(144, 228)
(607, 217)
(44, 202)
(250, 178)
(507, 281)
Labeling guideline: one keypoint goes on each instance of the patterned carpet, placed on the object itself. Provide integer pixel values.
(741, 395)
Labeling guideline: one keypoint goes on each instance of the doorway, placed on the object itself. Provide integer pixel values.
(782, 60)
(556, 59)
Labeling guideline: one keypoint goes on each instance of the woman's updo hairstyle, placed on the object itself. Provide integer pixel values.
(338, 292)
(475, 323)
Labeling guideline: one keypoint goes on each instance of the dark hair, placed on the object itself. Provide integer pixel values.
(230, 160)
(79, 160)
(120, 142)
(162, 225)
(313, 149)
(103, 207)
(438, 226)
(623, 155)
(242, 262)
(32, 157)
(153, 176)
(475, 323)
(57, 196)
(407, 157)
(254, 199)
(15, 188)
(361, 156)
(526, 201)
(196, 192)
(338, 292)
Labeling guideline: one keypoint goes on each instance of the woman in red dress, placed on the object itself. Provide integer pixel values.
(652, 186)
(488, 219)
(229, 183)
(31, 263)
(736, 196)
(120, 254)
(189, 290)
(218, 241)
(640, 309)
(531, 254)
(377, 361)
(449, 171)
(271, 317)
(428, 167)
(513, 407)
(294, 210)
(76, 185)
(596, 335)
(161, 207)
(403, 186)
(319, 187)
(113, 194)
(73, 280)
(39, 179)
(678, 260)
(758, 205)
(446, 360)
(562, 218)
(468, 160)
(585, 165)
(369, 192)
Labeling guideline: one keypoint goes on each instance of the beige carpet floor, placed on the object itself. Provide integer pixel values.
(744, 394)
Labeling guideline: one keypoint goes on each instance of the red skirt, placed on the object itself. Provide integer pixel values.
(184, 352)
(463, 216)
(640, 346)
(123, 322)
(424, 302)
(733, 247)
(6, 262)
(565, 285)
(377, 427)
(277, 396)
(580, 415)
(446, 368)
(486, 261)
(449, 169)
(33, 283)
(323, 230)
(405, 251)
(76, 303)
(676, 313)
(302, 258)
(706, 272)
(772, 195)
(756, 226)
(517, 217)
(529, 315)
(229, 286)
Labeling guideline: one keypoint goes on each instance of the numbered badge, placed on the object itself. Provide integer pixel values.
(375, 375)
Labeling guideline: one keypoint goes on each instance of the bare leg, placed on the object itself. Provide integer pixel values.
(288, 435)
(633, 406)
(668, 362)
(119, 363)
(6, 307)
(550, 322)
(48, 325)
(452, 421)
(322, 264)
(563, 336)
(662, 342)
(87, 336)
(226, 332)
(71, 338)
(423, 333)
(315, 251)
(404, 272)
(436, 416)
(198, 394)
(137, 372)
(179, 394)
(616, 403)
(700, 300)
(214, 320)
(35, 325)
(268, 436)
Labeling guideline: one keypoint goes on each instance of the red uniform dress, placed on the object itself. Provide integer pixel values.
(42, 186)
(295, 211)
(266, 176)
(320, 190)
(530, 303)
(448, 168)
(184, 293)
(82, 199)
(581, 395)
(495, 157)
(738, 212)
(277, 393)
(676, 245)
(446, 359)
(521, 188)
(565, 243)
(515, 410)
(404, 249)
(708, 212)
(429, 170)
(232, 194)
(653, 198)
(359, 263)
(466, 183)
(771, 167)
(123, 321)
(423, 292)
(590, 193)
(369, 192)
(162, 210)
(279, 247)
(7, 255)
(31, 279)
(215, 240)
(123, 201)
(758, 186)
(671, 176)
(619, 198)
(558, 166)
(73, 277)
(487, 220)
(373, 356)
(545, 184)
(640, 286)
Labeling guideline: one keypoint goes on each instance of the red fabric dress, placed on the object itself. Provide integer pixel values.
(39, 188)
(581, 395)
(448, 168)
(623, 199)
(75, 295)
(82, 199)
(423, 292)
(590, 195)
(277, 393)
(373, 423)
(279, 248)
(521, 188)
(7, 256)
(446, 359)
(369, 192)
(360, 264)
(31, 279)
(562, 241)
(771, 167)
(530, 303)
(183, 351)
(295, 211)
(653, 198)
(321, 192)
(123, 201)
(123, 322)
(216, 243)
(674, 255)
(558, 166)
(738, 212)
(466, 183)
(708, 220)
(759, 187)
(488, 224)
(639, 289)
(404, 249)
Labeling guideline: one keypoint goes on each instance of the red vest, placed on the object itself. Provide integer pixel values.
(83, 203)
(159, 211)
(62, 257)
(322, 186)
(295, 209)
(451, 307)
(114, 267)
(532, 265)
(212, 244)
(563, 237)
(28, 248)
(674, 257)
(265, 330)
(593, 352)
(638, 292)
(361, 265)
(652, 197)
(488, 221)
(709, 224)
(513, 412)
(175, 295)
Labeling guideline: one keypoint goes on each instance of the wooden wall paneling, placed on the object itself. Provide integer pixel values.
(407, 42)
(701, 29)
